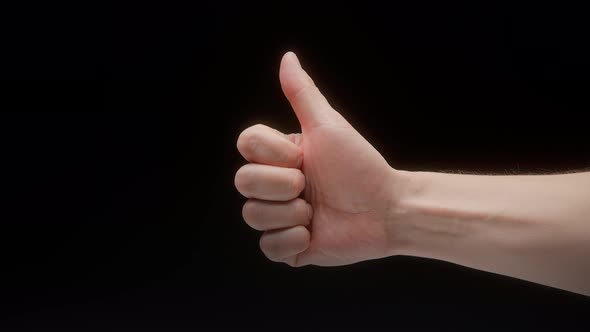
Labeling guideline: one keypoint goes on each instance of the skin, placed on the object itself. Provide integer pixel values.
(327, 197)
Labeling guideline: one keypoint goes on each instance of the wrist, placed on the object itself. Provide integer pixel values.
(400, 214)
(451, 216)
(430, 216)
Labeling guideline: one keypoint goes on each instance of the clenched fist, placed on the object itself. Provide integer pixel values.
(322, 196)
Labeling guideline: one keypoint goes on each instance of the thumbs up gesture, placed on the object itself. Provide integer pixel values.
(322, 196)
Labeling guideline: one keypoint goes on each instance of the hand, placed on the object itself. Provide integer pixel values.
(327, 197)
(321, 197)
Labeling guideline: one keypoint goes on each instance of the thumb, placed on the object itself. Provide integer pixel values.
(310, 106)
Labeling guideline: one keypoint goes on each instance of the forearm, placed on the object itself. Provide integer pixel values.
(533, 227)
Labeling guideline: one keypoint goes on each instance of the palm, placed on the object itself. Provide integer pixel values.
(345, 176)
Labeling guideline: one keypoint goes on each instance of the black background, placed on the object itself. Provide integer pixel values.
(118, 149)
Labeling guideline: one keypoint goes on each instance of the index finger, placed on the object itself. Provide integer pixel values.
(264, 145)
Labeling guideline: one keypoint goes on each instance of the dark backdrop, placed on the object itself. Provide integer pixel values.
(118, 149)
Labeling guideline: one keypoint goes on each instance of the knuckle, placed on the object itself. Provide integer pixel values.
(251, 215)
(249, 139)
(258, 127)
(243, 180)
(305, 89)
(252, 142)
(269, 248)
(242, 140)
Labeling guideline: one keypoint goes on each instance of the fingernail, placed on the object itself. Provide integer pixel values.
(309, 211)
(300, 160)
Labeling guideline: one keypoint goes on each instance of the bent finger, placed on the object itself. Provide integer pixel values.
(267, 215)
(283, 243)
(269, 182)
(264, 145)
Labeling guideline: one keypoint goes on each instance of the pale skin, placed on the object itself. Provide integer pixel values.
(327, 197)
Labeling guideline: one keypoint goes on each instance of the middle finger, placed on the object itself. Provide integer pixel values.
(269, 182)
